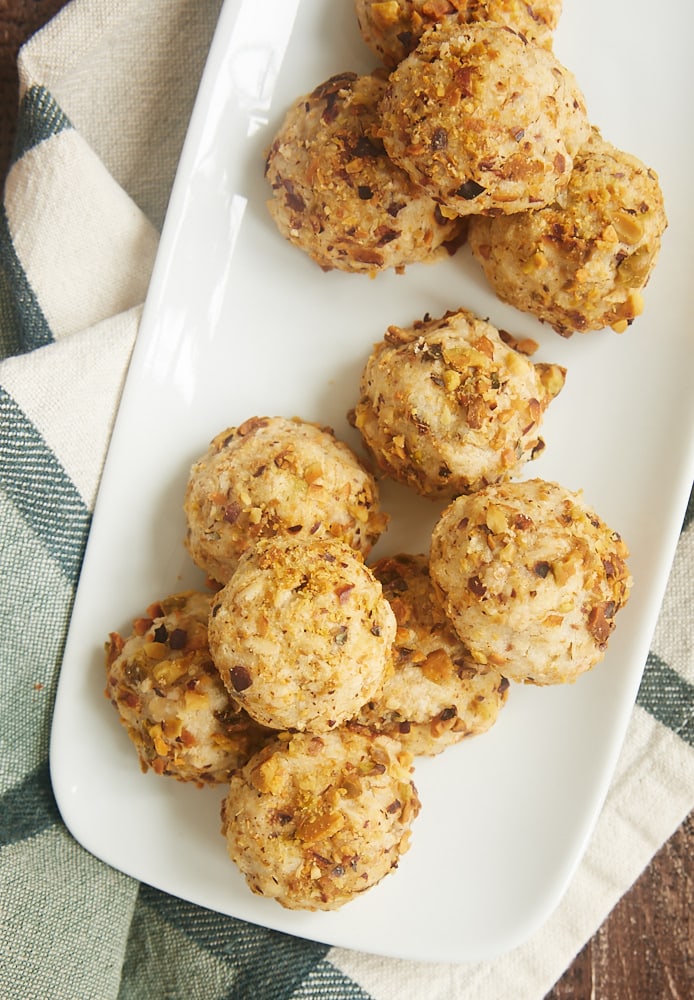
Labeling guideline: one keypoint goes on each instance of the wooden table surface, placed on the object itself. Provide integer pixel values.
(645, 948)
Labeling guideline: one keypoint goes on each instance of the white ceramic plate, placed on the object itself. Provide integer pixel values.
(237, 323)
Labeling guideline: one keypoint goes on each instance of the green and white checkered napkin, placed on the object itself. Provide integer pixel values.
(106, 91)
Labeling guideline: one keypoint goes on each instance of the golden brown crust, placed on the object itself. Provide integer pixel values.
(580, 263)
(437, 695)
(170, 698)
(392, 29)
(313, 821)
(337, 196)
(447, 406)
(531, 578)
(484, 121)
(270, 477)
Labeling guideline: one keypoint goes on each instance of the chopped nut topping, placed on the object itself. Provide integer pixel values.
(156, 650)
(451, 379)
(438, 666)
(628, 227)
(564, 568)
(240, 678)
(496, 519)
(168, 671)
(599, 622)
(352, 785)
(552, 377)
(269, 776)
(385, 14)
(379, 754)
(321, 827)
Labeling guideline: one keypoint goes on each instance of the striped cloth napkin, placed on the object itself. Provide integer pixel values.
(106, 90)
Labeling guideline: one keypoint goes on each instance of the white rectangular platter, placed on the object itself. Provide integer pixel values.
(239, 323)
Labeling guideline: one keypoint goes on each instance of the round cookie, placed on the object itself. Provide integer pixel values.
(393, 29)
(337, 196)
(531, 578)
(579, 264)
(446, 406)
(170, 697)
(314, 821)
(483, 120)
(302, 634)
(273, 476)
(437, 695)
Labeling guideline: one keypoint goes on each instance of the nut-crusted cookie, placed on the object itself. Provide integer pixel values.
(314, 821)
(446, 406)
(531, 578)
(302, 634)
(483, 120)
(273, 476)
(170, 697)
(336, 194)
(392, 29)
(437, 695)
(580, 263)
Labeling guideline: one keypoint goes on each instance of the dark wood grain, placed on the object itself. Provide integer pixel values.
(645, 948)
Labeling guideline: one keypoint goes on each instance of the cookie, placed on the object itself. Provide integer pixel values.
(302, 634)
(446, 406)
(437, 694)
(581, 263)
(170, 698)
(273, 476)
(336, 194)
(315, 821)
(483, 120)
(532, 579)
(393, 29)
